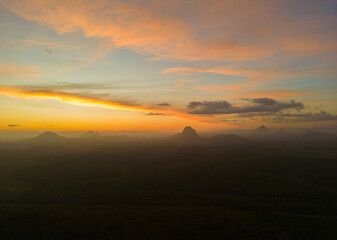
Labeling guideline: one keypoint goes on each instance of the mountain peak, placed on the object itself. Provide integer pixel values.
(262, 129)
(188, 136)
(48, 134)
(189, 131)
(91, 133)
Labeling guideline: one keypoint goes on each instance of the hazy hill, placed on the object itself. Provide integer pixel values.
(91, 134)
(46, 138)
(227, 140)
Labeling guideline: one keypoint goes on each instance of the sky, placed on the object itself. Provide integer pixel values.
(155, 65)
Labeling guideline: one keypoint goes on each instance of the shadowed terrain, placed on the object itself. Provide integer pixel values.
(184, 187)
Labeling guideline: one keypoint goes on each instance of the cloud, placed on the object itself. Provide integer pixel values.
(211, 30)
(13, 71)
(254, 74)
(255, 105)
(13, 125)
(277, 94)
(218, 88)
(291, 117)
(93, 100)
(84, 86)
(183, 82)
(79, 98)
(155, 114)
(164, 104)
(142, 28)
(253, 114)
(311, 117)
(51, 45)
(49, 51)
(38, 43)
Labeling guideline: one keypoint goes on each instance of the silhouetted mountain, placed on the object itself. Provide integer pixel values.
(262, 129)
(91, 134)
(46, 138)
(227, 140)
(48, 135)
(188, 137)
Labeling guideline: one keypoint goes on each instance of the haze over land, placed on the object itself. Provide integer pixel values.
(183, 186)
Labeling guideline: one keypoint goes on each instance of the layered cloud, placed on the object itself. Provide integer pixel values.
(291, 117)
(261, 73)
(309, 117)
(214, 30)
(255, 105)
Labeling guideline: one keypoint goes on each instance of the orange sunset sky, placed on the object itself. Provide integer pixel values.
(155, 65)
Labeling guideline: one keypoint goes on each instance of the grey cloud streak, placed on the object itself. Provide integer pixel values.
(255, 105)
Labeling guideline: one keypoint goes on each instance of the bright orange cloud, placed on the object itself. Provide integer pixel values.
(97, 102)
(127, 25)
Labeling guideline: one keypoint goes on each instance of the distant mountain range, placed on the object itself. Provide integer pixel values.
(188, 137)
(46, 138)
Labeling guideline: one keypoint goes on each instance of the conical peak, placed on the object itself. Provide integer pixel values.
(91, 133)
(262, 129)
(48, 134)
(188, 130)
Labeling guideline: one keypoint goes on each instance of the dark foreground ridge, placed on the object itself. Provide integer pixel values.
(188, 186)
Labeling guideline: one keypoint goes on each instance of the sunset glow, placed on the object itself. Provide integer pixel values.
(161, 65)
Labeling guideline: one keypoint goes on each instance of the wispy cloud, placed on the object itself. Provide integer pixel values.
(38, 43)
(268, 73)
(155, 114)
(183, 82)
(13, 71)
(164, 104)
(13, 125)
(218, 88)
(50, 45)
